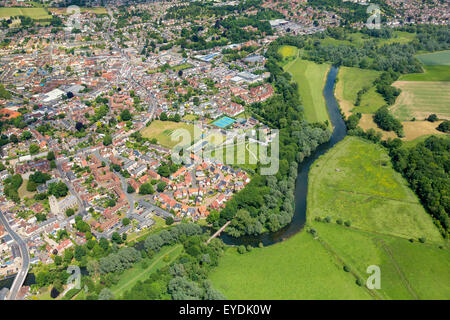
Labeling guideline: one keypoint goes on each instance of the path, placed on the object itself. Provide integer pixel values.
(218, 232)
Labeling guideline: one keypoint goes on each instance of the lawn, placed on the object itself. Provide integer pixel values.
(355, 181)
(432, 73)
(34, 13)
(441, 58)
(311, 78)
(297, 268)
(352, 80)
(23, 191)
(288, 51)
(419, 99)
(167, 133)
(131, 276)
(408, 270)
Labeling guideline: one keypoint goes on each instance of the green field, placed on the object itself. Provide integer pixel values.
(311, 78)
(439, 58)
(166, 132)
(352, 80)
(288, 51)
(297, 268)
(432, 73)
(34, 13)
(137, 273)
(419, 99)
(408, 270)
(355, 181)
(357, 39)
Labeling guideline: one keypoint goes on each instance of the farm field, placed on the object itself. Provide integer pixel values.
(432, 73)
(293, 269)
(355, 181)
(311, 78)
(441, 58)
(419, 99)
(166, 133)
(408, 270)
(352, 80)
(34, 13)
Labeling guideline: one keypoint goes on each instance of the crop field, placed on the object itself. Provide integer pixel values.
(432, 73)
(297, 268)
(352, 80)
(311, 78)
(34, 13)
(166, 132)
(355, 181)
(440, 58)
(421, 98)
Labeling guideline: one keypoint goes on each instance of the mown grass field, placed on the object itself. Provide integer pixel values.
(311, 78)
(432, 73)
(297, 268)
(166, 132)
(357, 39)
(34, 13)
(95, 10)
(352, 80)
(288, 51)
(441, 58)
(355, 181)
(419, 99)
(137, 273)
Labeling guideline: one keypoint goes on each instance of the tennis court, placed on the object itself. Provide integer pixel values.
(224, 122)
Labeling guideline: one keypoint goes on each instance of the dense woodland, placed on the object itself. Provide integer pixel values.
(426, 167)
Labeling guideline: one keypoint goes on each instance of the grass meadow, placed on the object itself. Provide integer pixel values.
(432, 73)
(355, 181)
(166, 133)
(441, 58)
(311, 78)
(34, 13)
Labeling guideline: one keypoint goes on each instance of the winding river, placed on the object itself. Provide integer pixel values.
(301, 185)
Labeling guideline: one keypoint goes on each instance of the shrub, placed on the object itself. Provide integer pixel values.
(347, 223)
(346, 269)
(328, 219)
(260, 245)
(411, 240)
(359, 282)
(249, 248)
(339, 221)
(241, 249)
(422, 240)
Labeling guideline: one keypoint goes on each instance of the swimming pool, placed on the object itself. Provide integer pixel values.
(224, 122)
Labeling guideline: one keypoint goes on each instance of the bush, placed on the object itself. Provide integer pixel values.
(347, 223)
(444, 126)
(328, 219)
(422, 240)
(260, 245)
(242, 249)
(249, 248)
(339, 221)
(359, 282)
(411, 240)
(346, 269)
(432, 118)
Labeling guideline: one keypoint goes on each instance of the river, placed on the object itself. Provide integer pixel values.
(301, 184)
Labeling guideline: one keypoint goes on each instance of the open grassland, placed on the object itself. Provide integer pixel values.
(352, 80)
(355, 181)
(419, 99)
(96, 10)
(408, 270)
(439, 58)
(167, 133)
(311, 78)
(358, 39)
(297, 268)
(34, 13)
(141, 273)
(288, 51)
(432, 73)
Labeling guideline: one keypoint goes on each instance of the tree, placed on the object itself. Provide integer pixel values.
(130, 189)
(126, 221)
(125, 115)
(26, 135)
(51, 156)
(116, 238)
(161, 186)
(432, 118)
(163, 116)
(34, 149)
(182, 289)
(169, 221)
(107, 140)
(146, 188)
(70, 212)
(105, 294)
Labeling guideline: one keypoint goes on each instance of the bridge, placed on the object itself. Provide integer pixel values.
(218, 232)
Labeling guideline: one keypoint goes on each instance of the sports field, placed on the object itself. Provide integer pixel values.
(288, 51)
(223, 122)
(421, 98)
(441, 58)
(311, 78)
(355, 181)
(352, 80)
(166, 132)
(34, 13)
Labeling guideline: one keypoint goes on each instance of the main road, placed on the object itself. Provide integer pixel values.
(22, 274)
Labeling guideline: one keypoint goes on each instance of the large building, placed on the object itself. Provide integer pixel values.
(59, 208)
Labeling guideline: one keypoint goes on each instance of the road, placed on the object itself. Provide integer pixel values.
(20, 277)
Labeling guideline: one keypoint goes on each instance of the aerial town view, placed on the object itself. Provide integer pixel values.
(224, 150)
